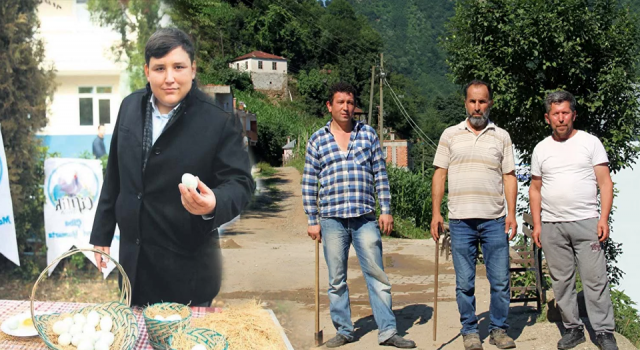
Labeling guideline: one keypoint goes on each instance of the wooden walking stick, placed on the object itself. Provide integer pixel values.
(318, 334)
(435, 291)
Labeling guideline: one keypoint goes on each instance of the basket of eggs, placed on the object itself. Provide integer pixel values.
(105, 326)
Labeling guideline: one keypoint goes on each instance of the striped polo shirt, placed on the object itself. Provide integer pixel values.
(475, 166)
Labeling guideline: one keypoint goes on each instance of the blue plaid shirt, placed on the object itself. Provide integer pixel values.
(346, 178)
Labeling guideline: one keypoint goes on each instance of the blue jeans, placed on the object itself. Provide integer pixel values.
(337, 235)
(465, 236)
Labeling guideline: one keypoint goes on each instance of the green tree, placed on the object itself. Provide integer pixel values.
(527, 48)
(134, 21)
(26, 86)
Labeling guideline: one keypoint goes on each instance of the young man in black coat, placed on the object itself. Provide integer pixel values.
(168, 233)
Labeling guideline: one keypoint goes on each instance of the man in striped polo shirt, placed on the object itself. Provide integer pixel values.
(343, 161)
(477, 158)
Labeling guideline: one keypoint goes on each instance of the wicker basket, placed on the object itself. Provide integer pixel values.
(125, 326)
(160, 332)
(211, 339)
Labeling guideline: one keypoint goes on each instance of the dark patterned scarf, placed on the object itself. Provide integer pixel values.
(147, 136)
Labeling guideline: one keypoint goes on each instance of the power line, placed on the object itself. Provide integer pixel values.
(405, 114)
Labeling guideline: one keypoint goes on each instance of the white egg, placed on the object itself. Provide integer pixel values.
(64, 339)
(88, 329)
(93, 318)
(60, 327)
(75, 329)
(174, 317)
(13, 323)
(189, 181)
(106, 324)
(85, 345)
(79, 319)
(96, 336)
(69, 321)
(77, 339)
(101, 346)
(159, 318)
(108, 338)
(198, 347)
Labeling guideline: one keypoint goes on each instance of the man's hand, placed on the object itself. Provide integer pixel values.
(437, 226)
(511, 223)
(603, 229)
(314, 232)
(386, 223)
(101, 260)
(203, 203)
(536, 235)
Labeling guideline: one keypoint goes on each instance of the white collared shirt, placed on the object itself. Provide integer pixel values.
(159, 120)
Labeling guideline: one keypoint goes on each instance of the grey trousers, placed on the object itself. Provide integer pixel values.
(565, 244)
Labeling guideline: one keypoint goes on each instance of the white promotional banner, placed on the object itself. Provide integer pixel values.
(8, 242)
(72, 188)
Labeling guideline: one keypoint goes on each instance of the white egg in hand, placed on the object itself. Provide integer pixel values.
(86, 345)
(60, 327)
(101, 346)
(64, 339)
(13, 323)
(106, 323)
(77, 339)
(198, 347)
(93, 318)
(189, 181)
(174, 317)
(159, 318)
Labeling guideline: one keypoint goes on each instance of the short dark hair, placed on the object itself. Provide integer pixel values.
(478, 82)
(559, 97)
(341, 87)
(166, 39)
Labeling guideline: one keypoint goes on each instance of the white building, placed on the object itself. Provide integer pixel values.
(268, 72)
(90, 85)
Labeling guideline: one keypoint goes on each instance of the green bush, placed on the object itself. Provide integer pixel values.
(411, 196)
(275, 124)
(626, 316)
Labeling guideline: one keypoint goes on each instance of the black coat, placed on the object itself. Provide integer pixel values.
(168, 253)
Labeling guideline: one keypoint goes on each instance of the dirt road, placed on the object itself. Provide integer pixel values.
(269, 256)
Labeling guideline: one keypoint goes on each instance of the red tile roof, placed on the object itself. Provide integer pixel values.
(259, 54)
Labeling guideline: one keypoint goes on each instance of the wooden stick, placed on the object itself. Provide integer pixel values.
(435, 294)
(318, 334)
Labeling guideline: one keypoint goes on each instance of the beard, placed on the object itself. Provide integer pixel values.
(479, 121)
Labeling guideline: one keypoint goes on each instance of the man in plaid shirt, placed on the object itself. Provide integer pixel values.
(344, 157)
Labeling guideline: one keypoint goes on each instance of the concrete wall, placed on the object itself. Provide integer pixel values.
(269, 81)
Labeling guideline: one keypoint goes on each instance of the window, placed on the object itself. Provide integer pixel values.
(94, 105)
(238, 66)
(259, 64)
(81, 1)
(246, 64)
(274, 65)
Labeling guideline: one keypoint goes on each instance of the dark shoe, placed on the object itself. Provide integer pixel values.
(338, 340)
(472, 341)
(606, 341)
(500, 339)
(399, 342)
(572, 338)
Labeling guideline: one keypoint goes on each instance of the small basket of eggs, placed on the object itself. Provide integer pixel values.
(106, 326)
(164, 320)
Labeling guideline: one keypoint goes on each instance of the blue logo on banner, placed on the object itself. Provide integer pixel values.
(73, 187)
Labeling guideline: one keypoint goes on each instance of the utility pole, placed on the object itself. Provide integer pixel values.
(373, 76)
(381, 115)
